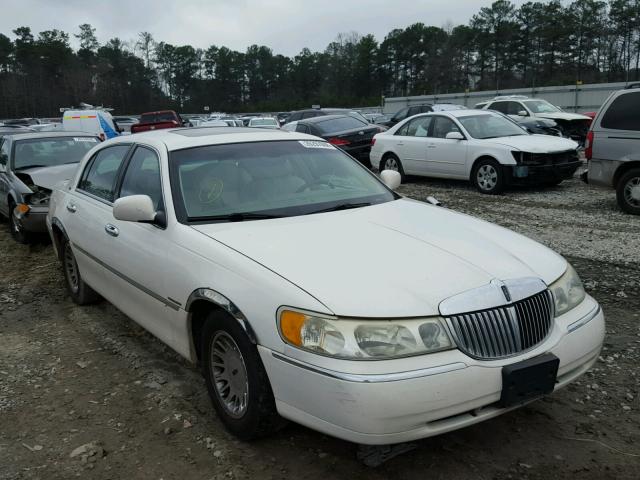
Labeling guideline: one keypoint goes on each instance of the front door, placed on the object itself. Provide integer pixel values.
(445, 157)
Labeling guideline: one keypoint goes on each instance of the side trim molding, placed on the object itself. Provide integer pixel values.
(227, 305)
(169, 303)
(372, 378)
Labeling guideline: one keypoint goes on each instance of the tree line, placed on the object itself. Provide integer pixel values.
(502, 46)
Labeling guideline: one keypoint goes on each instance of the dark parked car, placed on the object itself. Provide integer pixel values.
(31, 164)
(345, 132)
(318, 112)
(406, 113)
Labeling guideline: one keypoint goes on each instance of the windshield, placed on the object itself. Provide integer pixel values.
(48, 152)
(541, 106)
(258, 122)
(281, 178)
(490, 126)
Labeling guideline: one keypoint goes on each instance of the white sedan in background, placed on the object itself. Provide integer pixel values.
(256, 254)
(264, 122)
(487, 148)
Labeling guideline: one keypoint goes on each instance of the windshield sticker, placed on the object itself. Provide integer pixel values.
(85, 139)
(315, 144)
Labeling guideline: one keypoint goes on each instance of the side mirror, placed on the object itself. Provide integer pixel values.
(134, 208)
(454, 136)
(523, 113)
(391, 178)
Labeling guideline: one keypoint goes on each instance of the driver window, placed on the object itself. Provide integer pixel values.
(142, 177)
(442, 126)
(514, 107)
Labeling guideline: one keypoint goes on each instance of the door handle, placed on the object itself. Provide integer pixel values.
(111, 230)
(72, 207)
(431, 145)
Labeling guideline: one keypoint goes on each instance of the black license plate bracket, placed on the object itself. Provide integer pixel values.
(529, 379)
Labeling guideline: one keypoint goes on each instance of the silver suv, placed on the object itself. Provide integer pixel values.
(613, 147)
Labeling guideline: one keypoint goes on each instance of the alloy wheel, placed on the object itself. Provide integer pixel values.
(229, 374)
(71, 269)
(391, 164)
(632, 192)
(487, 177)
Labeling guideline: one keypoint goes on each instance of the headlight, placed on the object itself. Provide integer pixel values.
(568, 291)
(363, 339)
(39, 197)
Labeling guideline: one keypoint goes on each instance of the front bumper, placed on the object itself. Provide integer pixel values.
(527, 174)
(386, 402)
(34, 220)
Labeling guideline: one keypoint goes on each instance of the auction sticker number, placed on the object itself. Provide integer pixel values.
(315, 144)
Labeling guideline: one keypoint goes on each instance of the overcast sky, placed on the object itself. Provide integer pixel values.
(286, 26)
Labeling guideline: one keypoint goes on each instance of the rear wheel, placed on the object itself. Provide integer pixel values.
(488, 177)
(391, 162)
(18, 232)
(236, 379)
(628, 191)
(79, 291)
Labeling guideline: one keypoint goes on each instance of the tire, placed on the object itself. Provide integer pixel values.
(628, 191)
(244, 403)
(17, 232)
(488, 177)
(79, 291)
(391, 162)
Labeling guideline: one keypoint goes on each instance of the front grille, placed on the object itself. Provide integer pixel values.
(550, 159)
(504, 331)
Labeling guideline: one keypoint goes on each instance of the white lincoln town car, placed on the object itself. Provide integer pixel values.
(308, 290)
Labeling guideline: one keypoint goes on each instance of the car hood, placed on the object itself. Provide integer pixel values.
(562, 116)
(397, 259)
(49, 177)
(536, 143)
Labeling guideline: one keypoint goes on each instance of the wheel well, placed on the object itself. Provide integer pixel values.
(624, 168)
(475, 162)
(198, 313)
(58, 238)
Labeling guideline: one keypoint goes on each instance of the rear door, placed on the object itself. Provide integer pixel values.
(445, 157)
(88, 211)
(411, 145)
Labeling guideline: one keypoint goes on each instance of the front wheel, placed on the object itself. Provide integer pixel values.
(628, 191)
(18, 233)
(392, 162)
(488, 177)
(236, 379)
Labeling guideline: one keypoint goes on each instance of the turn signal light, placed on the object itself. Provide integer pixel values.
(22, 208)
(291, 326)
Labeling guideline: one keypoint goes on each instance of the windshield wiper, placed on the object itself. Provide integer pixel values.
(235, 217)
(342, 206)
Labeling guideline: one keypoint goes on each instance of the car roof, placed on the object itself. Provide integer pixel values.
(53, 134)
(181, 138)
(323, 118)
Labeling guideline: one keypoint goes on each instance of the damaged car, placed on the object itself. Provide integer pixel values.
(31, 164)
(307, 289)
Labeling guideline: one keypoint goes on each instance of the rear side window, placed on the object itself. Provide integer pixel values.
(499, 107)
(142, 177)
(623, 113)
(418, 127)
(4, 153)
(339, 124)
(151, 118)
(99, 177)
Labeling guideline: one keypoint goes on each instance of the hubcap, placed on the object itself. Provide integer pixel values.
(391, 164)
(71, 269)
(632, 192)
(229, 374)
(487, 177)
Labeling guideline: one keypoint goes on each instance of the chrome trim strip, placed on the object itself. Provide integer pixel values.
(372, 378)
(142, 288)
(491, 295)
(223, 302)
(584, 320)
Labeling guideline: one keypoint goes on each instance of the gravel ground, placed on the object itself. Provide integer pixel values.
(86, 393)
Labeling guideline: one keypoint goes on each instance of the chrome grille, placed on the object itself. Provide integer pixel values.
(504, 331)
